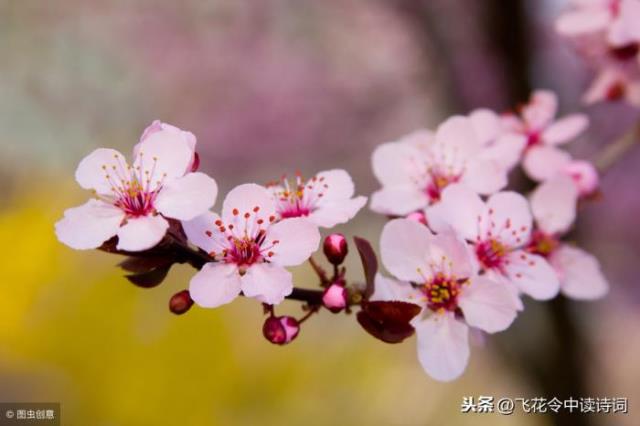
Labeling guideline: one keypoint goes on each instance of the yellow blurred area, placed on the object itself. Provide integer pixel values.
(74, 330)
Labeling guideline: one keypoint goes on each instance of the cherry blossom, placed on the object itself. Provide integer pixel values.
(249, 249)
(183, 136)
(437, 272)
(499, 231)
(134, 202)
(414, 170)
(617, 19)
(326, 199)
(613, 84)
(536, 122)
(553, 204)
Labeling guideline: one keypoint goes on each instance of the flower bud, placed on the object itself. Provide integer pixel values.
(417, 216)
(335, 248)
(585, 176)
(180, 302)
(334, 297)
(280, 330)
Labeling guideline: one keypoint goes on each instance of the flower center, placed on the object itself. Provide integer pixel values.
(533, 138)
(299, 199)
(542, 244)
(442, 292)
(491, 253)
(437, 183)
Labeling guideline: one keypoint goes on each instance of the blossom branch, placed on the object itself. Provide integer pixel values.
(614, 151)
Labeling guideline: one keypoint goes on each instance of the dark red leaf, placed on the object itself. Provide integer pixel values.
(149, 279)
(369, 264)
(388, 320)
(140, 265)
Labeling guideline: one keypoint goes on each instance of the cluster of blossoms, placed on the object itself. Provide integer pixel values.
(608, 34)
(464, 248)
(461, 248)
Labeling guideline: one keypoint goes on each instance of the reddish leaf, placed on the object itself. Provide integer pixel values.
(151, 278)
(388, 320)
(369, 264)
(140, 265)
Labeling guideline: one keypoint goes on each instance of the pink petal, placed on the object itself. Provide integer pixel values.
(333, 213)
(215, 284)
(554, 203)
(89, 225)
(544, 162)
(584, 175)
(565, 129)
(100, 169)
(245, 199)
(457, 138)
(460, 208)
(203, 232)
(161, 157)
(540, 110)
(580, 274)
(398, 200)
(404, 246)
(391, 289)
(484, 176)
(508, 218)
(443, 346)
(532, 274)
(393, 162)
(297, 239)
(339, 185)
(141, 233)
(601, 86)
(187, 197)
(488, 305)
(267, 282)
(506, 151)
(583, 21)
(486, 124)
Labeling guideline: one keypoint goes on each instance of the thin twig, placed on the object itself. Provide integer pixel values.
(614, 151)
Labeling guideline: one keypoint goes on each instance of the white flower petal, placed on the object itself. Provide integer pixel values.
(532, 274)
(580, 274)
(484, 176)
(338, 185)
(487, 304)
(508, 219)
(544, 162)
(267, 282)
(202, 231)
(506, 151)
(443, 346)
(246, 198)
(215, 284)
(460, 208)
(162, 156)
(540, 110)
(404, 248)
(101, 169)
(565, 129)
(554, 203)
(391, 289)
(141, 233)
(297, 239)
(331, 214)
(392, 162)
(486, 124)
(583, 21)
(187, 197)
(398, 200)
(89, 225)
(456, 138)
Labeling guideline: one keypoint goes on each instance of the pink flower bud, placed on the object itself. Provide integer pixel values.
(418, 217)
(335, 248)
(280, 330)
(585, 176)
(180, 302)
(334, 297)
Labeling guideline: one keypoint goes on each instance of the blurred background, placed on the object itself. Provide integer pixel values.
(272, 87)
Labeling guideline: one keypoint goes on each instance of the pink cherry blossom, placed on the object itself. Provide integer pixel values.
(499, 231)
(613, 84)
(438, 273)
(617, 19)
(133, 202)
(414, 170)
(249, 249)
(326, 199)
(537, 123)
(553, 204)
